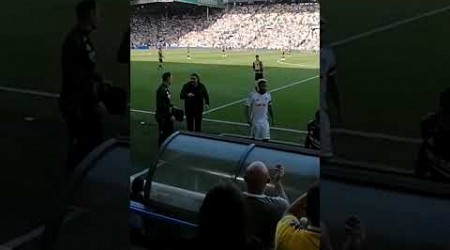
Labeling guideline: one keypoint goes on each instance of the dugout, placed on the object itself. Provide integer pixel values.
(190, 164)
(96, 204)
(92, 208)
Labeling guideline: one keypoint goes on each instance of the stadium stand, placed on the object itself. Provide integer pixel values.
(253, 26)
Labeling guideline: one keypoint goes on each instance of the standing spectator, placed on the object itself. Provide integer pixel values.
(258, 109)
(164, 106)
(80, 102)
(434, 156)
(289, 233)
(264, 211)
(196, 100)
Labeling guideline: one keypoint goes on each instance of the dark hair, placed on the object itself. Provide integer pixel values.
(313, 204)
(317, 115)
(261, 81)
(137, 185)
(222, 216)
(166, 76)
(196, 76)
(84, 8)
(444, 100)
(257, 56)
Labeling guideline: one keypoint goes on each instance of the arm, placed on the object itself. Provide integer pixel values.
(332, 86)
(276, 181)
(183, 93)
(206, 95)
(271, 113)
(253, 66)
(248, 114)
(298, 207)
(248, 110)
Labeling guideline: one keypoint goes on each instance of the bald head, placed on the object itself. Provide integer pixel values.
(256, 176)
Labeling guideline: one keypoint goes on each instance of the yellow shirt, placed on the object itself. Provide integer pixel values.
(289, 236)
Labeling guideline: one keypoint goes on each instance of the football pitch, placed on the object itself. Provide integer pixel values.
(390, 58)
(293, 83)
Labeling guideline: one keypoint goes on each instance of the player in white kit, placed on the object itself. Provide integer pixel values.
(258, 111)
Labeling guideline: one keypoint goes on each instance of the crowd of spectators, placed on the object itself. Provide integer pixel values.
(259, 26)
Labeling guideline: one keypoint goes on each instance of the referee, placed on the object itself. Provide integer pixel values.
(164, 107)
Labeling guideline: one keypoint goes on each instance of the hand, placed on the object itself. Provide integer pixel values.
(190, 95)
(206, 106)
(172, 118)
(278, 174)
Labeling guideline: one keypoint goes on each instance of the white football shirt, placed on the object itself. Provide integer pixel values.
(259, 105)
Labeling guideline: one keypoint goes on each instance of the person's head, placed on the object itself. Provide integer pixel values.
(256, 177)
(313, 204)
(262, 86)
(86, 12)
(167, 78)
(138, 185)
(222, 216)
(257, 57)
(444, 101)
(194, 78)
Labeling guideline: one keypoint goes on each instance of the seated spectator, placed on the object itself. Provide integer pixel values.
(264, 211)
(290, 235)
(222, 221)
(434, 156)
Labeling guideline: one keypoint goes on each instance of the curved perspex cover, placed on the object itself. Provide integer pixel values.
(189, 165)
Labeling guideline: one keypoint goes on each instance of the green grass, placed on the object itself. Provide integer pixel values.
(228, 80)
(390, 79)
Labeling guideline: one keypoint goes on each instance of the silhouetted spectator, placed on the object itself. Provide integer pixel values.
(264, 211)
(434, 156)
(289, 234)
(222, 221)
(80, 101)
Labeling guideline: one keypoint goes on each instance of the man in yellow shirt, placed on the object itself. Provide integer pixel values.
(290, 233)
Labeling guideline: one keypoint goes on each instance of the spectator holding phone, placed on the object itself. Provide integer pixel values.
(264, 211)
